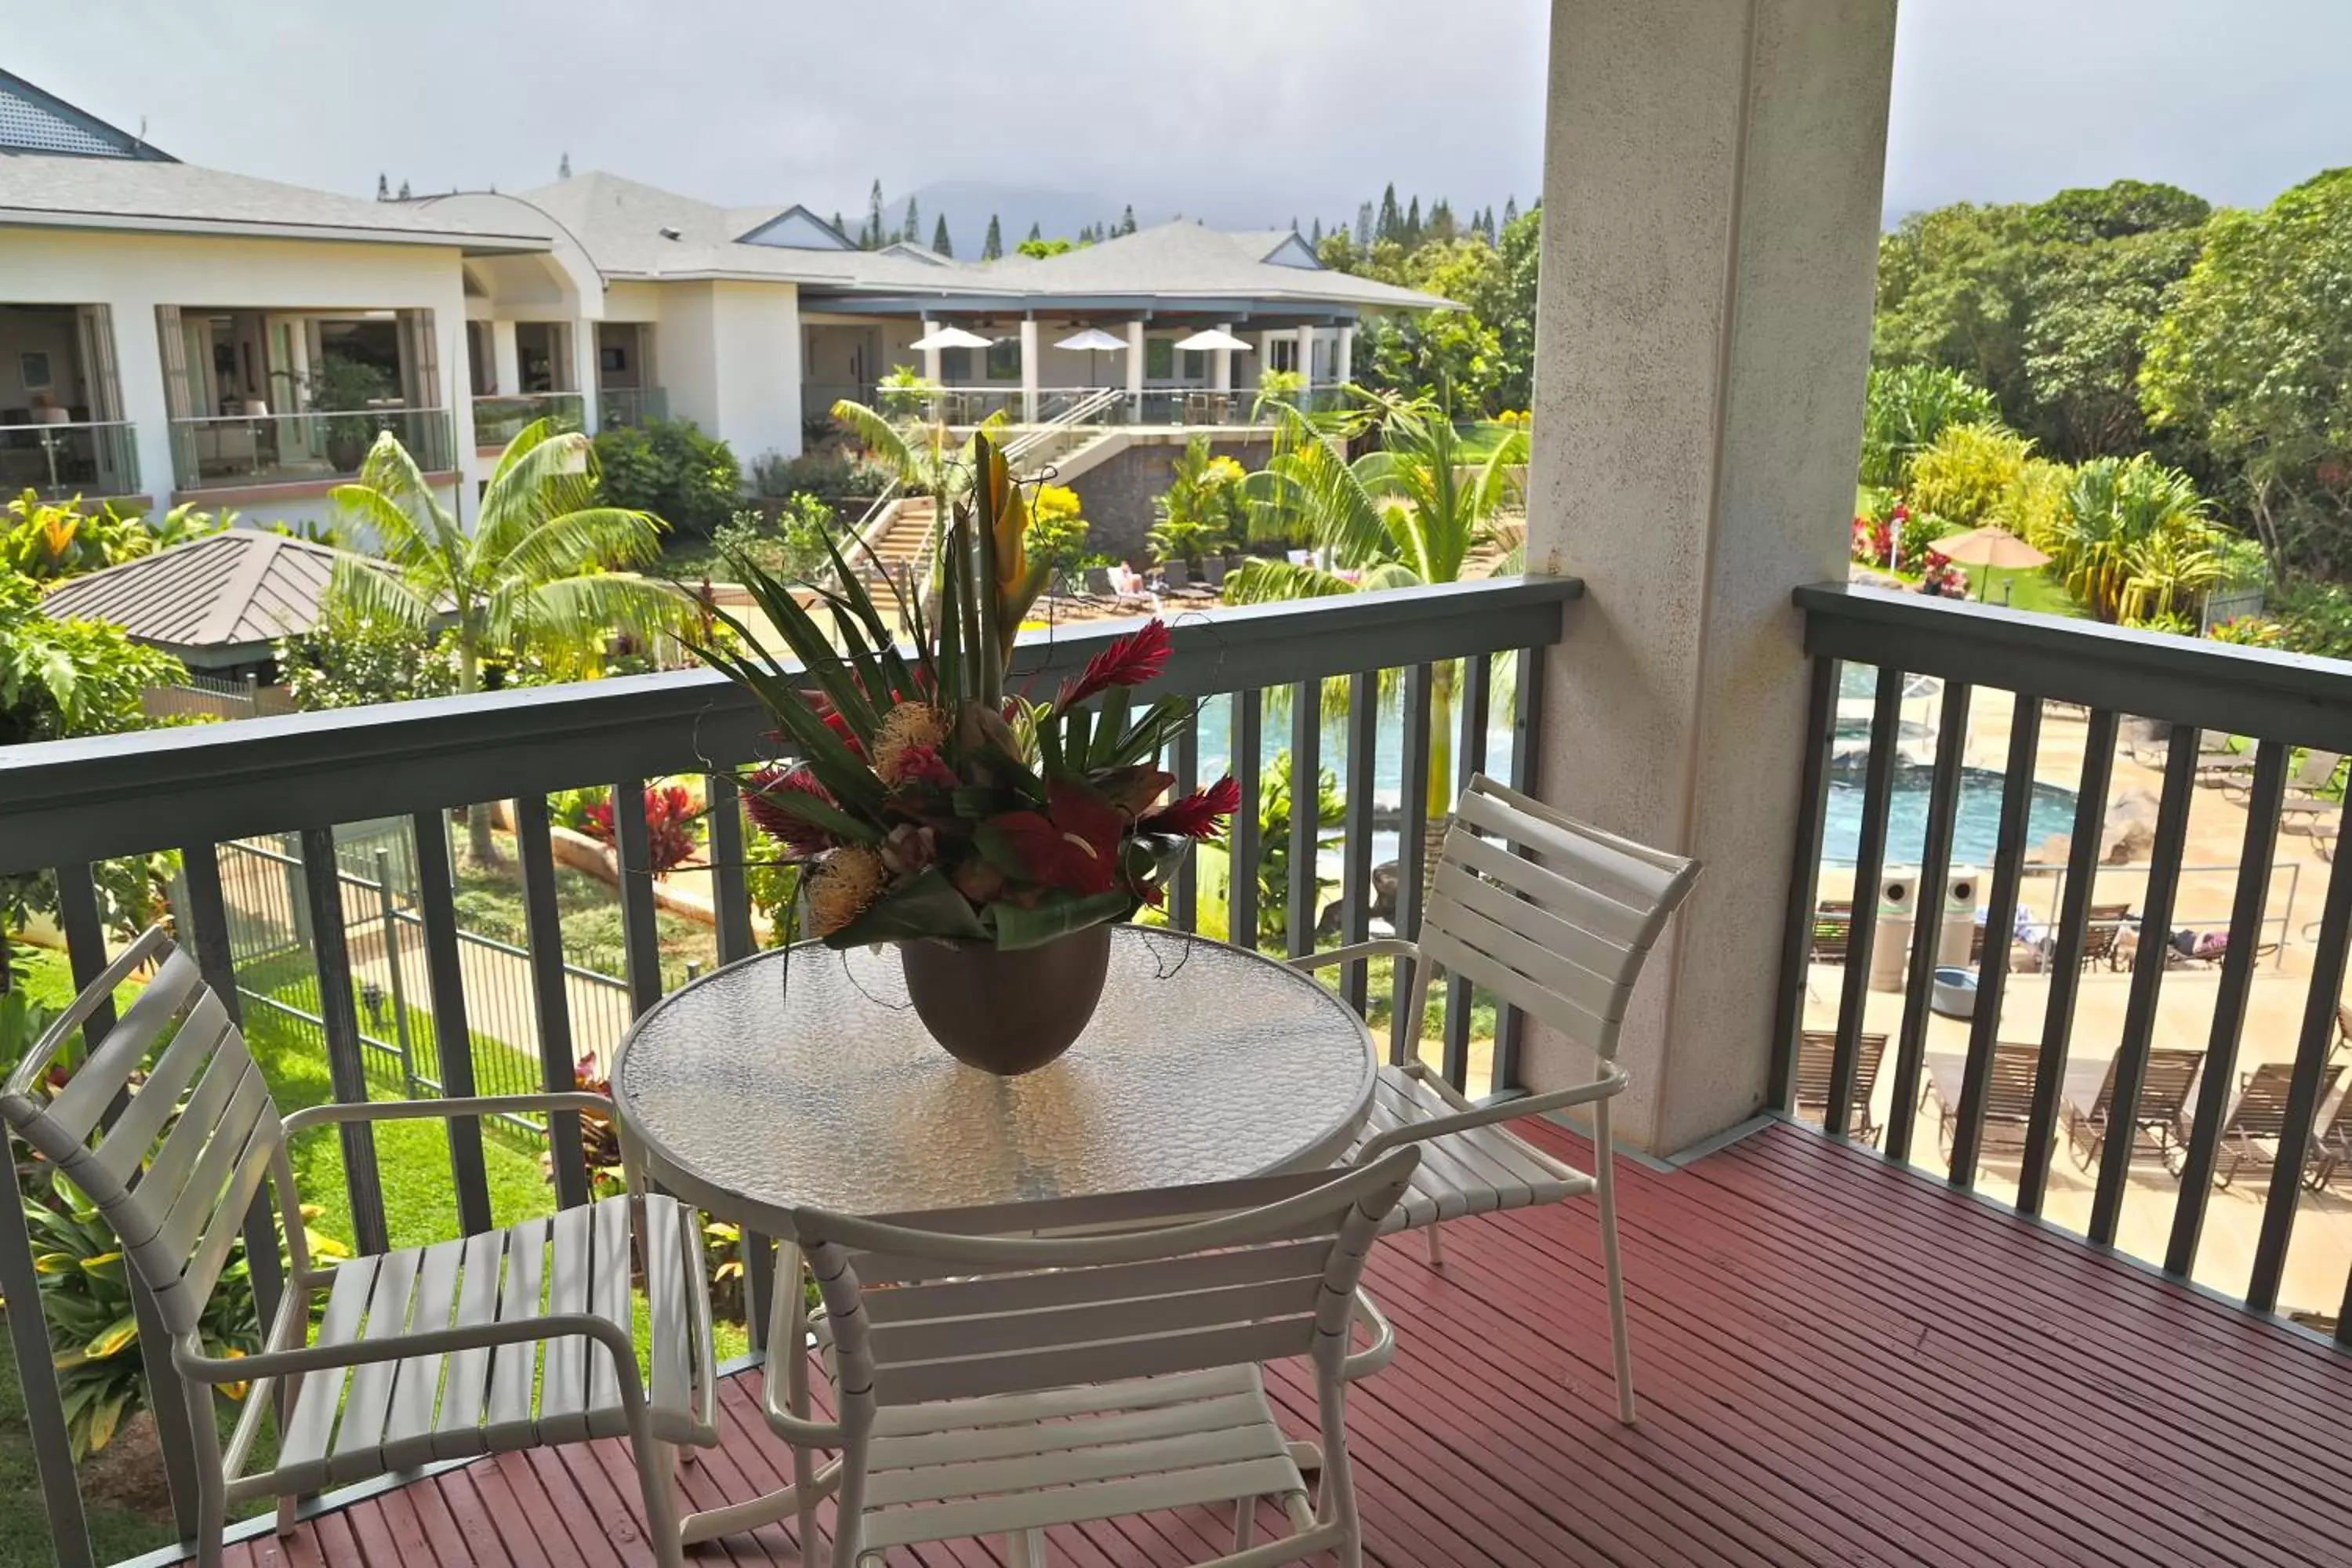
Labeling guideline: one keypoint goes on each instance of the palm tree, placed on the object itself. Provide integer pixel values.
(1413, 510)
(533, 573)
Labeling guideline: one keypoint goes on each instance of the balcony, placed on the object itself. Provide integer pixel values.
(251, 451)
(499, 419)
(58, 462)
(630, 406)
(1846, 1354)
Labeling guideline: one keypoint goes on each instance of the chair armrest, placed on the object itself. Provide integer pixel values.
(476, 1105)
(1379, 947)
(187, 1353)
(1381, 1352)
(1612, 1081)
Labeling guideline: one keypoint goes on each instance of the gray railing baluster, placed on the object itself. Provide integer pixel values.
(2067, 947)
(1356, 841)
(1241, 866)
(1804, 884)
(640, 933)
(1469, 762)
(2313, 1047)
(2000, 930)
(2218, 1084)
(1184, 898)
(730, 894)
(338, 1018)
(1412, 832)
(1928, 926)
(1306, 813)
(543, 934)
(1870, 863)
(2147, 981)
(452, 1035)
(1527, 708)
(37, 1376)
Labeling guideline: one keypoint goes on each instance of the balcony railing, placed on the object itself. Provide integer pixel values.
(631, 405)
(58, 461)
(1183, 407)
(2144, 1046)
(499, 419)
(232, 451)
(311, 951)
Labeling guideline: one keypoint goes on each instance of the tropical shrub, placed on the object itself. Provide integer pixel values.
(670, 816)
(59, 679)
(1968, 472)
(350, 662)
(1057, 534)
(2036, 501)
(2248, 631)
(670, 469)
(1201, 507)
(50, 541)
(831, 473)
(794, 546)
(1274, 841)
(904, 393)
(2133, 542)
(2312, 618)
(1905, 408)
(1943, 579)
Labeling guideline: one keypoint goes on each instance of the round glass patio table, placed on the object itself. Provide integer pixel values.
(802, 1076)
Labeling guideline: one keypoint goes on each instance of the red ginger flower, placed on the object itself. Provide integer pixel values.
(1130, 661)
(1073, 844)
(799, 836)
(1199, 814)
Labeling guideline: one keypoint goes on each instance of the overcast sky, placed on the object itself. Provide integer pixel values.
(1243, 111)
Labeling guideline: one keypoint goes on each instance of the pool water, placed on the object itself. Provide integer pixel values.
(1976, 826)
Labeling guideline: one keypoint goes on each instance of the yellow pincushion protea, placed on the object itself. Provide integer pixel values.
(906, 727)
(844, 888)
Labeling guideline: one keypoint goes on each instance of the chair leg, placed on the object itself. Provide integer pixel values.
(1436, 1247)
(212, 1484)
(1245, 1523)
(1025, 1550)
(656, 1469)
(1605, 1189)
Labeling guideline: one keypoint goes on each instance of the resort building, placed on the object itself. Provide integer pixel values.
(171, 333)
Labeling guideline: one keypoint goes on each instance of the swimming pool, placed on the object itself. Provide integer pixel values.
(1976, 826)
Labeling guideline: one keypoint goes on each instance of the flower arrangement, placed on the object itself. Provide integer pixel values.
(929, 802)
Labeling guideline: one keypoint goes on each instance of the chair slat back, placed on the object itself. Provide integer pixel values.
(2008, 1081)
(1561, 935)
(2165, 1086)
(2102, 928)
(1817, 1058)
(2261, 1110)
(194, 1136)
(1270, 1271)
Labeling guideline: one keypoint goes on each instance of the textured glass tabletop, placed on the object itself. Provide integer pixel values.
(803, 1077)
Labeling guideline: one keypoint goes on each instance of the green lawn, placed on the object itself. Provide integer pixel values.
(2027, 588)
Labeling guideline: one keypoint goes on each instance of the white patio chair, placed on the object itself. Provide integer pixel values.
(1056, 1363)
(1563, 938)
(506, 1340)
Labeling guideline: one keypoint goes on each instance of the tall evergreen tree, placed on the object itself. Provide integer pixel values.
(383, 188)
(564, 167)
(992, 247)
(1035, 232)
(1315, 238)
(940, 240)
(837, 226)
(1441, 227)
(1392, 222)
(1364, 227)
(1412, 232)
(1510, 211)
(911, 231)
(403, 190)
(873, 238)
(1126, 219)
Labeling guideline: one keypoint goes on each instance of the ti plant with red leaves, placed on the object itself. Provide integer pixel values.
(926, 801)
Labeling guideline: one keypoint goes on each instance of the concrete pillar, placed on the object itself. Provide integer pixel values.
(930, 356)
(586, 372)
(1711, 201)
(146, 406)
(1306, 361)
(1265, 341)
(1343, 363)
(1030, 357)
(1135, 371)
(1221, 363)
(506, 359)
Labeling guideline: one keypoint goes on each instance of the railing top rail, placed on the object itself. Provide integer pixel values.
(371, 410)
(2240, 690)
(52, 425)
(66, 800)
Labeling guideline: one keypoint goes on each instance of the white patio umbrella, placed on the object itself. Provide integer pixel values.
(1213, 337)
(1094, 341)
(950, 337)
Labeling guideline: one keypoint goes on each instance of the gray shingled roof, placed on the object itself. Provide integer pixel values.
(54, 190)
(619, 224)
(235, 589)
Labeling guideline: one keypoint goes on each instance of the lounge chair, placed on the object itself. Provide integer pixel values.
(2217, 764)
(2163, 1097)
(2306, 808)
(1816, 1054)
(1833, 930)
(2103, 934)
(2007, 1098)
(2331, 1147)
(2259, 1118)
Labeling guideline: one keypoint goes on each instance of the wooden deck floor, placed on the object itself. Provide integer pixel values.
(1838, 1363)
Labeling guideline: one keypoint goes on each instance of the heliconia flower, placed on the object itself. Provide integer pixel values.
(1130, 661)
(1073, 845)
(1199, 814)
(799, 836)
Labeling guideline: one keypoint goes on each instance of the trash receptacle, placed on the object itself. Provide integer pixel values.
(1890, 949)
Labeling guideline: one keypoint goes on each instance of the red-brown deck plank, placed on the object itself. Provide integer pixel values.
(1840, 1363)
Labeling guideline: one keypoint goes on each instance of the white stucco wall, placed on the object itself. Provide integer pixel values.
(134, 273)
(757, 362)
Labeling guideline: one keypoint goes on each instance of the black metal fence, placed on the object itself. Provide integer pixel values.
(2090, 1066)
